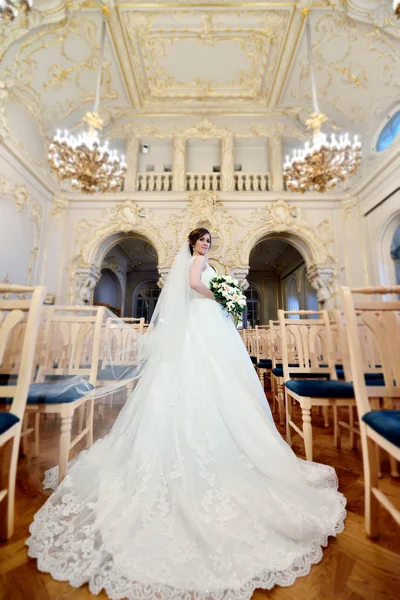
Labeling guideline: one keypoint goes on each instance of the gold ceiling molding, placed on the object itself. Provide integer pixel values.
(206, 129)
(354, 62)
(150, 44)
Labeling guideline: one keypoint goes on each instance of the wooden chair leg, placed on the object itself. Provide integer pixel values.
(36, 435)
(370, 482)
(81, 417)
(307, 431)
(378, 456)
(288, 403)
(89, 423)
(353, 441)
(24, 434)
(337, 438)
(65, 444)
(8, 477)
(394, 467)
(281, 401)
(273, 392)
(325, 410)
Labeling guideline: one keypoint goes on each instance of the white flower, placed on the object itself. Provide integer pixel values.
(229, 279)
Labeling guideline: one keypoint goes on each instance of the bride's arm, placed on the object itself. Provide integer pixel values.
(195, 278)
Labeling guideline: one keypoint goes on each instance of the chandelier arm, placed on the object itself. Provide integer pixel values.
(311, 63)
(100, 67)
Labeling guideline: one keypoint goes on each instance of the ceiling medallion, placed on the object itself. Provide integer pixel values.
(91, 166)
(9, 9)
(320, 166)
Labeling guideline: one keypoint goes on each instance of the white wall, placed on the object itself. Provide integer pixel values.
(202, 155)
(24, 210)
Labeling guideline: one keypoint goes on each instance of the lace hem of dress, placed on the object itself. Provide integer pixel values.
(86, 560)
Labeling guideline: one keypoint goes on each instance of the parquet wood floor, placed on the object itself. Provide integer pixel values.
(353, 567)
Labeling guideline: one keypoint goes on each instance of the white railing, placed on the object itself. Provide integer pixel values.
(251, 182)
(154, 182)
(243, 182)
(203, 181)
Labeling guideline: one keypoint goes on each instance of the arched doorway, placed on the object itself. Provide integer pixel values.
(129, 260)
(278, 270)
(108, 292)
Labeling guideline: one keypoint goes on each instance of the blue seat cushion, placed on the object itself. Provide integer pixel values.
(322, 388)
(115, 372)
(264, 363)
(58, 393)
(278, 372)
(386, 423)
(7, 420)
(253, 359)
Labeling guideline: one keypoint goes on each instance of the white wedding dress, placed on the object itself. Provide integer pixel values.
(194, 495)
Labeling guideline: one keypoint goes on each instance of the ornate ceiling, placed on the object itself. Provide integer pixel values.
(166, 64)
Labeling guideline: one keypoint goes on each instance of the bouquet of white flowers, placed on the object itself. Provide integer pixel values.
(229, 293)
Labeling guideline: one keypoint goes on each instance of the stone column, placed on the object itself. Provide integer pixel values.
(85, 282)
(227, 159)
(163, 272)
(179, 168)
(275, 163)
(321, 279)
(132, 155)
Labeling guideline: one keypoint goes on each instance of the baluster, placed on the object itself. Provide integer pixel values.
(191, 183)
(263, 183)
(247, 183)
(145, 181)
(139, 182)
(158, 181)
(207, 178)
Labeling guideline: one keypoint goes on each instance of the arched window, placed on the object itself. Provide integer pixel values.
(293, 298)
(252, 312)
(146, 300)
(395, 253)
(389, 133)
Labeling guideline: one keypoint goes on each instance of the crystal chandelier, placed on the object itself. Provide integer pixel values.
(396, 8)
(91, 166)
(9, 8)
(320, 166)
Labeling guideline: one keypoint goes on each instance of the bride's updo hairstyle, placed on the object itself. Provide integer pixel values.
(195, 235)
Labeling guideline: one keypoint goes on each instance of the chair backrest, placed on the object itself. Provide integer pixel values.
(249, 340)
(369, 350)
(19, 320)
(120, 342)
(71, 342)
(275, 342)
(135, 323)
(380, 323)
(263, 342)
(306, 343)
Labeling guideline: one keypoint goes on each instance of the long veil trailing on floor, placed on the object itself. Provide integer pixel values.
(193, 495)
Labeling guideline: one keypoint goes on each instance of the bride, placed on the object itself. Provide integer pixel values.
(194, 495)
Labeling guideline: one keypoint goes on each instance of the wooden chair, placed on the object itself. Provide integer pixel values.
(11, 317)
(277, 380)
(377, 427)
(313, 380)
(263, 353)
(71, 351)
(135, 323)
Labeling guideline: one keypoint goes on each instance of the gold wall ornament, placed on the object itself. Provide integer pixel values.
(282, 217)
(18, 192)
(125, 217)
(205, 209)
(59, 210)
(10, 9)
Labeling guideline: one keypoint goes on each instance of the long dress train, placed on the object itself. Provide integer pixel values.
(194, 495)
